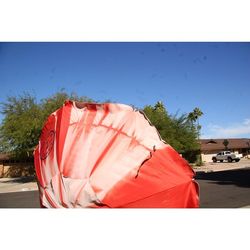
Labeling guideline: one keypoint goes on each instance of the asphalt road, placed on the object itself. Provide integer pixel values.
(224, 189)
(26, 199)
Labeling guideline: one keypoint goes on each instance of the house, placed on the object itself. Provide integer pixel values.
(210, 147)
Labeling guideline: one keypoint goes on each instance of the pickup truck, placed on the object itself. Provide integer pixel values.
(226, 156)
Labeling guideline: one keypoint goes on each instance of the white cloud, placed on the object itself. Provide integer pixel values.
(246, 122)
(234, 130)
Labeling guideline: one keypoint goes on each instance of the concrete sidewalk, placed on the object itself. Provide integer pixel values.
(17, 184)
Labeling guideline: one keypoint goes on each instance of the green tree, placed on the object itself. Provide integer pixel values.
(194, 118)
(21, 125)
(176, 130)
(24, 118)
(55, 101)
(225, 143)
(159, 117)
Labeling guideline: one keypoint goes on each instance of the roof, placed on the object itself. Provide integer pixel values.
(217, 144)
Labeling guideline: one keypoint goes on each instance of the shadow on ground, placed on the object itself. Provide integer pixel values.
(24, 179)
(237, 177)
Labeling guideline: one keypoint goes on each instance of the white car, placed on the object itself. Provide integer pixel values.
(226, 156)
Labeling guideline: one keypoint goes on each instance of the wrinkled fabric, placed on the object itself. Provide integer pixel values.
(109, 156)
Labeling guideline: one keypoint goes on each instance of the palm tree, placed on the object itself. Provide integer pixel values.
(225, 143)
(194, 117)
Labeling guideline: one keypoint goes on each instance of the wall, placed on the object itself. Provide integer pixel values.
(16, 170)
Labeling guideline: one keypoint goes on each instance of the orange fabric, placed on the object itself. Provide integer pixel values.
(108, 155)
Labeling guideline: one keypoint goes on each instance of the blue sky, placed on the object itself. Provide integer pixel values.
(212, 76)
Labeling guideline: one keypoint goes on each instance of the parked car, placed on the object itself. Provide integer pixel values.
(226, 156)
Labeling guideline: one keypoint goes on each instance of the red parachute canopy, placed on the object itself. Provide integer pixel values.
(109, 155)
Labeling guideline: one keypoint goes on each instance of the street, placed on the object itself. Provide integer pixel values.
(223, 189)
(27, 199)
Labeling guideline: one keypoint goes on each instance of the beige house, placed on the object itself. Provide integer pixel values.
(210, 147)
